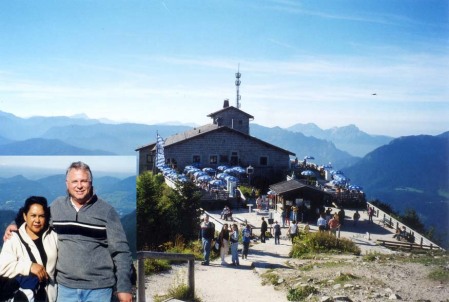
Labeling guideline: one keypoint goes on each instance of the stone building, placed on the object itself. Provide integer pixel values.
(226, 141)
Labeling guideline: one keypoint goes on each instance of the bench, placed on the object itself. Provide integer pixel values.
(404, 245)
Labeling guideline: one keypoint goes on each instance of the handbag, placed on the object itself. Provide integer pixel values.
(8, 287)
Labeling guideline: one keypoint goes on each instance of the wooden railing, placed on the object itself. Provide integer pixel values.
(386, 219)
(142, 255)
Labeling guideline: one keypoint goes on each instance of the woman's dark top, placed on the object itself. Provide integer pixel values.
(40, 248)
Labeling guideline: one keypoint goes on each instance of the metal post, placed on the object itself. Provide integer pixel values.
(141, 280)
(192, 278)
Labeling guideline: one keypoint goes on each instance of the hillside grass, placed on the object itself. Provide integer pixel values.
(322, 242)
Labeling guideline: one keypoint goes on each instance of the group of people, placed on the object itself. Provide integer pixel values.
(329, 223)
(227, 238)
(73, 250)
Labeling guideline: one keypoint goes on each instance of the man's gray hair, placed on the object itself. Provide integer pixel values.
(79, 165)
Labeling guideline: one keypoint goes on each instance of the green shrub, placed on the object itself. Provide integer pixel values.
(180, 292)
(440, 274)
(270, 278)
(154, 266)
(321, 242)
(300, 293)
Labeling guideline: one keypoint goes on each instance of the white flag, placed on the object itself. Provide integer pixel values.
(160, 157)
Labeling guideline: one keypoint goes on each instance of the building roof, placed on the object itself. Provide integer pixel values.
(204, 130)
(230, 108)
(289, 186)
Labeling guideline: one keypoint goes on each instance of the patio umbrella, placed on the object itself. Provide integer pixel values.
(182, 178)
(231, 178)
(328, 166)
(209, 170)
(198, 174)
(192, 171)
(187, 168)
(239, 170)
(216, 182)
(222, 175)
(204, 178)
(309, 157)
(333, 172)
(229, 171)
(355, 188)
(222, 168)
(307, 173)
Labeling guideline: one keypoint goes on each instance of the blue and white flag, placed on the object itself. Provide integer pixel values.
(160, 157)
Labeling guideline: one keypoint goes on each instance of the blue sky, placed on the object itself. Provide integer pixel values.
(301, 61)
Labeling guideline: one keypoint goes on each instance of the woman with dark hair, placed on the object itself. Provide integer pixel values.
(223, 239)
(30, 254)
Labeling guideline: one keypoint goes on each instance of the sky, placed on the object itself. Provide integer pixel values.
(382, 65)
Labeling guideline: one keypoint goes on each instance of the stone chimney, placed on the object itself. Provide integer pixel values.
(226, 103)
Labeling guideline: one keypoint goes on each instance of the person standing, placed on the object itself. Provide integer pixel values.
(295, 213)
(234, 238)
(207, 230)
(246, 239)
(283, 216)
(88, 225)
(321, 223)
(370, 214)
(223, 239)
(341, 216)
(34, 239)
(334, 224)
(356, 217)
(263, 230)
(277, 232)
(293, 230)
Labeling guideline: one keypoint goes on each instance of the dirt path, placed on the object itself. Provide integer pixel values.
(217, 283)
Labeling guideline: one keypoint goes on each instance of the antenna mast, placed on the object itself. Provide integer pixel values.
(237, 86)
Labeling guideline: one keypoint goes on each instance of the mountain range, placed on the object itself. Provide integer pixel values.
(406, 172)
(82, 136)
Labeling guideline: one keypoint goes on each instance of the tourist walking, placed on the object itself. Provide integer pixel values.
(263, 230)
(234, 238)
(277, 232)
(293, 230)
(246, 239)
(223, 239)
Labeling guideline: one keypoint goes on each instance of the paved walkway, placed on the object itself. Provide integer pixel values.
(216, 283)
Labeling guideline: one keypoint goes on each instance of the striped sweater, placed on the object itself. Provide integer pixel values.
(93, 250)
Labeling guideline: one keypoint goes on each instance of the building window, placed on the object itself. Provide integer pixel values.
(224, 159)
(234, 158)
(149, 158)
(196, 159)
(240, 122)
(213, 159)
(263, 160)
